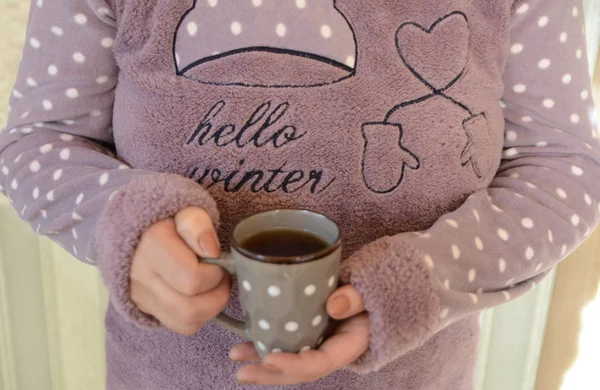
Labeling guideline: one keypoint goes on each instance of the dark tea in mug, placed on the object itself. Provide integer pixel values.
(283, 243)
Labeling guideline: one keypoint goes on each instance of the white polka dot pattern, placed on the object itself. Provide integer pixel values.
(549, 103)
(501, 265)
(280, 30)
(264, 325)
(545, 110)
(72, 93)
(472, 275)
(274, 291)
(78, 57)
(34, 166)
(516, 48)
(527, 223)
(192, 28)
(106, 42)
(455, 252)
(519, 88)
(65, 154)
(503, 234)
(291, 326)
(236, 28)
(486, 252)
(523, 8)
(293, 25)
(429, 261)
(52, 70)
(478, 243)
(577, 171)
(575, 220)
(452, 223)
(310, 290)
(317, 320)
(35, 43)
(103, 179)
(544, 63)
(80, 19)
(331, 282)
(529, 253)
(57, 31)
(326, 31)
(444, 313)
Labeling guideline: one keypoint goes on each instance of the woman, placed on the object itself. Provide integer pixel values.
(451, 141)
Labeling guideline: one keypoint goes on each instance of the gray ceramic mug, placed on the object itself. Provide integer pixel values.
(283, 298)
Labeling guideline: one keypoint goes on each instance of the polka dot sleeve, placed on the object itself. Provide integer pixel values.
(58, 168)
(57, 162)
(543, 202)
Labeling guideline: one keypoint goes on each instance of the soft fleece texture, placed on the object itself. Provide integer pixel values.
(456, 152)
(127, 215)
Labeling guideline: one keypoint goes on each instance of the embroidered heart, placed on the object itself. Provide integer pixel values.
(436, 55)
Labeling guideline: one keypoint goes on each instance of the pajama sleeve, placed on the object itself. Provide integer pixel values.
(542, 203)
(57, 157)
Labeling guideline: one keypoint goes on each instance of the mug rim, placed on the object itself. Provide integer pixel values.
(286, 260)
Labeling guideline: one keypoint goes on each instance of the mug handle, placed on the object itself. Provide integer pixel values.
(237, 327)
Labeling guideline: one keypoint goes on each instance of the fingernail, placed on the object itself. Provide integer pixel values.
(234, 355)
(339, 306)
(209, 244)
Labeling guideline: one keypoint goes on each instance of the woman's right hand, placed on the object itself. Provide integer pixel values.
(167, 280)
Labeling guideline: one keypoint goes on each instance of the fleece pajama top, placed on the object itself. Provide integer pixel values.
(451, 140)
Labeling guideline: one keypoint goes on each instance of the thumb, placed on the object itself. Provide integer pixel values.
(195, 227)
(345, 302)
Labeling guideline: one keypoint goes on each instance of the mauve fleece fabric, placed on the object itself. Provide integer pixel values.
(451, 140)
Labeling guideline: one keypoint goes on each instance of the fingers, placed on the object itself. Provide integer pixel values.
(166, 278)
(195, 227)
(142, 298)
(349, 342)
(344, 303)
(165, 252)
(244, 353)
(264, 375)
(187, 314)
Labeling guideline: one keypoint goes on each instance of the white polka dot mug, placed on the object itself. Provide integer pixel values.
(283, 301)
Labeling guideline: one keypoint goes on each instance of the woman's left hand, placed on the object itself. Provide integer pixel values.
(349, 341)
